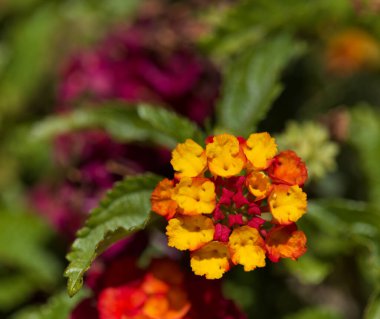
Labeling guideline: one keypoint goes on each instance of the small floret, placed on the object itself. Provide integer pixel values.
(287, 203)
(225, 156)
(259, 150)
(211, 261)
(247, 248)
(188, 159)
(189, 232)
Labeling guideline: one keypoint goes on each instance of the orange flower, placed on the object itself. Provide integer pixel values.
(288, 168)
(150, 298)
(258, 185)
(242, 179)
(350, 51)
(285, 242)
(161, 199)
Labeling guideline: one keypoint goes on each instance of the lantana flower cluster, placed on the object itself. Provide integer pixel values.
(236, 201)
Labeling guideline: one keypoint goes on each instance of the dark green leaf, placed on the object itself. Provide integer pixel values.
(57, 307)
(125, 209)
(124, 123)
(252, 84)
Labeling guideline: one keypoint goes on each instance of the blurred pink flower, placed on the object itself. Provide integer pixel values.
(128, 65)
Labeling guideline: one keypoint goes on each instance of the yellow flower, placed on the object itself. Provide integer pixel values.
(189, 159)
(225, 156)
(247, 248)
(189, 232)
(195, 195)
(211, 261)
(287, 203)
(259, 149)
(258, 184)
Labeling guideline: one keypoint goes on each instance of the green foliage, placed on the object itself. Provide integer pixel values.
(308, 269)
(315, 313)
(125, 209)
(356, 222)
(372, 310)
(34, 38)
(252, 84)
(58, 307)
(27, 43)
(364, 135)
(124, 123)
(25, 264)
(248, 22)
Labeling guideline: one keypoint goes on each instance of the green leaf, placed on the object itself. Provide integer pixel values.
(57, 307)
(341, 226)
(308, 269)
(27, 266)
(125, 209)
(15, 289)
(124, 123)
(252, 84)
(29, 39)
(170, 123)
(239, 26)
(315, 313)
(364, 135)
(372, 310)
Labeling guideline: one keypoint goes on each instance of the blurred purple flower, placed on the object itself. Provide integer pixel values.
(129, 65)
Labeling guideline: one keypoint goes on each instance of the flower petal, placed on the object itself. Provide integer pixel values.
(189, 232)
(285, 242)
(247, 248)
(188, 159)
(287, 203)
(259, 149)
(211, 261)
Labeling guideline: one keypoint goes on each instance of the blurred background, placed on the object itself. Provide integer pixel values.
(76, 59)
